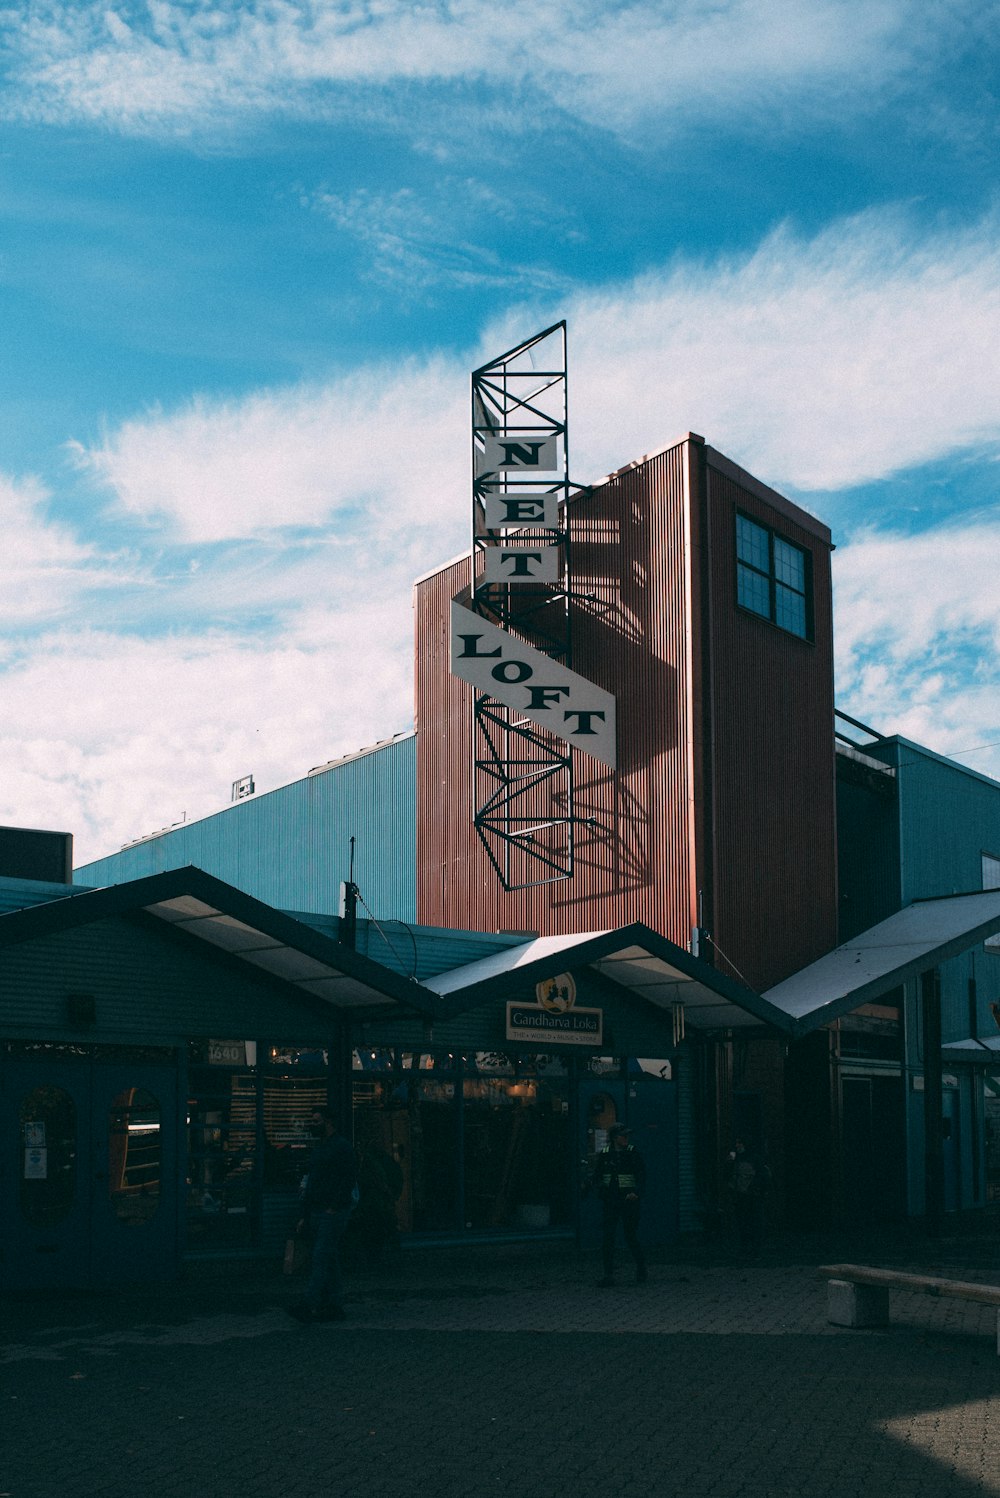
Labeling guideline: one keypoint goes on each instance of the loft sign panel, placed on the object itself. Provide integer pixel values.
(522, 678)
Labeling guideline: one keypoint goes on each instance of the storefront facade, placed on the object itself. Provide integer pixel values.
(140, 1128)
(135, 1128)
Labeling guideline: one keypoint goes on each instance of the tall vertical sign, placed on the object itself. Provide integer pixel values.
(511, 629)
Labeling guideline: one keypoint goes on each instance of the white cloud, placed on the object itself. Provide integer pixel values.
(111, 737)
(46, 567)
(380, 453)
(918, 637)
(167, 64)
(308, 511)
(411, 248)
(817, 364)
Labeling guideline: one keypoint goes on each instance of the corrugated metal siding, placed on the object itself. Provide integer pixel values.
(415, 951)
(632, 552)
(772, 751)
(867, 851)
(423, 951)
(291, 847)
(709, 697)
(18, 894)
(949, 817)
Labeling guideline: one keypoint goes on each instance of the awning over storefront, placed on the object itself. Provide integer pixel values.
(635, 958)
(870, 965)
(981, 1052)
(206, 910)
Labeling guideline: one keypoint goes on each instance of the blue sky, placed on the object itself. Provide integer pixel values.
(249, 254)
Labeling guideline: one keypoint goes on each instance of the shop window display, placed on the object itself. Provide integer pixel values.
(222, 1147)
(247, 1141)
(476, 1142)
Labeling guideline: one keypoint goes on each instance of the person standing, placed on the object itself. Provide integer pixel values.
(749, 1181)
(620, 1179)
(328, 1196)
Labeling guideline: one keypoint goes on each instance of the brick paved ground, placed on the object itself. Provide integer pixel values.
(476, 1372)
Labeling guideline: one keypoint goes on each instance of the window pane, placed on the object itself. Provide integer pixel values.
(222, 1157)
(751, 544)
(753, 591)
(789, 565)
(790, 610)
(48, 1156)
(516, 1152)
(134, 1156)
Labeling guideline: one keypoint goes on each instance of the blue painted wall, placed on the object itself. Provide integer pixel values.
(291, 847)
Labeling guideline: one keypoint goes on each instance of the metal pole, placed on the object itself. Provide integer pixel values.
(930, 994)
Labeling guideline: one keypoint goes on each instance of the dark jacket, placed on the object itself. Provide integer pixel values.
(617, 1172)
(331, 1176)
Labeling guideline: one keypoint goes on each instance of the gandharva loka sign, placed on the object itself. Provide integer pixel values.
(516, 501)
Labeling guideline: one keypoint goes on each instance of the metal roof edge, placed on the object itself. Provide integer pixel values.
(942, 759)
(635, 463)
(884, 983)
(592, 947)
(82, 908)
(786, 507)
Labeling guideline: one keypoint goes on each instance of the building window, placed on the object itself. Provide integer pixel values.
(991, 880)
(772, 577)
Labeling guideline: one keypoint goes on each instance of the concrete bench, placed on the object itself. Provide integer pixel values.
(858, 1295)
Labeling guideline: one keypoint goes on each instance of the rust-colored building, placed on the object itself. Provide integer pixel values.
(701, 598)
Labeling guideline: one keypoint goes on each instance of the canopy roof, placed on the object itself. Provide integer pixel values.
(634, 957)
(880, 959)
(207, 910)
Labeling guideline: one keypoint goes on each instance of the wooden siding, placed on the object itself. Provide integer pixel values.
(148, 987)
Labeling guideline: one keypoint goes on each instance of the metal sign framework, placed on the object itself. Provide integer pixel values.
(521, 582)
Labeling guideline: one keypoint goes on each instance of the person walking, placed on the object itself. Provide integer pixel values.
(328, 1196)
(620, 1179)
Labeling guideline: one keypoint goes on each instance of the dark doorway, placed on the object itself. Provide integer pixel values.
(873, 1149)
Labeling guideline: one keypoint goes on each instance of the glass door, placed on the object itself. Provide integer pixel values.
(90, 1176)
(45, 1126)
(134, 1204)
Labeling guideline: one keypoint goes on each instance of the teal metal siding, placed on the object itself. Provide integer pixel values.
(867, 851)
(18, 894)
(148, 987)
(949, 816)
(415, 951)
(291, 847)
(424, 951)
